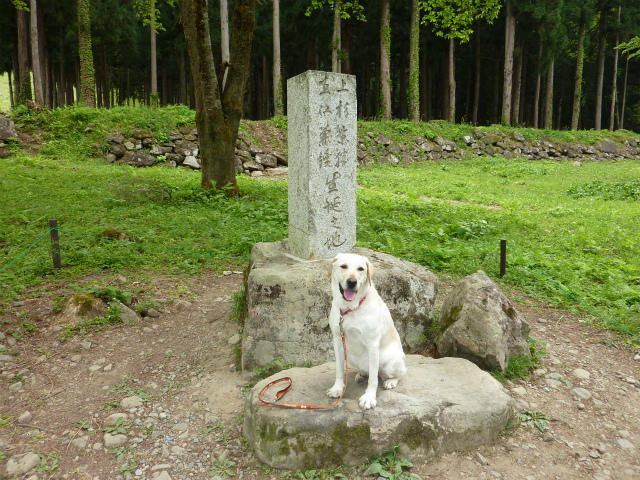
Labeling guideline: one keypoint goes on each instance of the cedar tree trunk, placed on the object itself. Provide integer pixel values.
(385, 52)
(548, 100)
(600, 77)
(278, 102)
(577, 89)
(87, 90)
(414, 63)
(509, 40)
(219, 110)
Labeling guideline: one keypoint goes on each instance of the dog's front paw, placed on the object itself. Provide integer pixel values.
(390, 383)
(367, 401)
(336, 390)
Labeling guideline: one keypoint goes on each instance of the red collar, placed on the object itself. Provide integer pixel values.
(349, 310)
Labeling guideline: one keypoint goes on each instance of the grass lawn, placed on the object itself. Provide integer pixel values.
(576, 225)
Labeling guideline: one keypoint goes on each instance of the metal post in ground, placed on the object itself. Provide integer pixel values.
(55, 244)
(503, 257)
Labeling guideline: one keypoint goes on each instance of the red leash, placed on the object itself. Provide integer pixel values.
(304, 406)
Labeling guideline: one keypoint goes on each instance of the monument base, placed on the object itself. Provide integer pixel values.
(439, 406)
(289, 299)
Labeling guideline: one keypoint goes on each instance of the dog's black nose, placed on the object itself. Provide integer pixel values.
(351, 284)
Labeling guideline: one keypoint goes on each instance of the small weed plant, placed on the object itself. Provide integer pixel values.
(223, 468)
(276, 365)
(519, 366)
(535, 419)
(390, 465)
(109, 293)
(120, 427)
(239, 306)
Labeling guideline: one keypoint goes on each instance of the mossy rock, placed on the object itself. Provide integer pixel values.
(80, 307)
(439, 406)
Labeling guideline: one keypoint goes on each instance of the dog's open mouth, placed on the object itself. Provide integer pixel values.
(348, 295)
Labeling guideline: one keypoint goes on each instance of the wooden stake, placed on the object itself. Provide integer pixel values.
(55, 244)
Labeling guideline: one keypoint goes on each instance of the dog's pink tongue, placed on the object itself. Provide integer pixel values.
(349, 295)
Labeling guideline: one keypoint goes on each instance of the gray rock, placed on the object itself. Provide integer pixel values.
(289, 301)
(6, 358)
(481, 324)
(18, 465)
(274, 172)
(439, 406)
(254, 149)
(118, 149)
(80, 443)
(607, 146)
(131, 402)
(153, 313)
(129, 145)
(4, 152)
(252, 166)
(163, 475)
(25, 417)
(128, 316)
(282, 159)
(112, 419)
(115, 138)
(581, 374)
(111, 441)
(138, 159)
(581, 394)
(192, 162)
(267, 160)
(626, 444)
(234, 340)
(7, 128)
(517, 136)
(110, 157)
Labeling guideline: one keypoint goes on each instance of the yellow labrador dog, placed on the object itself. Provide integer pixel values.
(373, 343)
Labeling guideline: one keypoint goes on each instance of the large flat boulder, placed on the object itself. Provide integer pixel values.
(289, 299)
(439, 406)
(481, 324)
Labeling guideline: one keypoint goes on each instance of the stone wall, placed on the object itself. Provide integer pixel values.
(181, 149)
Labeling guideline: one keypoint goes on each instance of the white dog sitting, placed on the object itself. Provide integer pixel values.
(373, 343)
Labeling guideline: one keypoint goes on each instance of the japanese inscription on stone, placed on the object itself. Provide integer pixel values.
(322, 119)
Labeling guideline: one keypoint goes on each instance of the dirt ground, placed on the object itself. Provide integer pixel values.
(56, 395)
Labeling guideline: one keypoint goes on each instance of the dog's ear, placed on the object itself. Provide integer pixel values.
(369, 271)
(331, 266)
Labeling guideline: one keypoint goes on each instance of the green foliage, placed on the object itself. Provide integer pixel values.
(48, 463)
(276, 365)
(239, 308)
(120, 427)
(390, 466)
(223, 468)
(455, 18)
(519, 366)
(348, 8)
(607, 190)
(535, 419)
(632, 47)
(109, 293)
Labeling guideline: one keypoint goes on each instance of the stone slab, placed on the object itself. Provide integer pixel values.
(322, 142)
(289, 299)
(440, 406)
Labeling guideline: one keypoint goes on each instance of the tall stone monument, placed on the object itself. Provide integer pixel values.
(322, 118)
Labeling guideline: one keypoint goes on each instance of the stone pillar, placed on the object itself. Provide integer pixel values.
(322, 118)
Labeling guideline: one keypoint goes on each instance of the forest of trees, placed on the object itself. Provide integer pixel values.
(540, 63)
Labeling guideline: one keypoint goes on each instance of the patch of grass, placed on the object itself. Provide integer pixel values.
(276, 365)
(109, 293)
(520, 366)
(124, 388)
(94, 324)
(607, 190)
(239, 306)
(48, 463)
(120, 427)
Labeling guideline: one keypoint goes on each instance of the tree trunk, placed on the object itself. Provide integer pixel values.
(385, 52)
(403, 84)
(451, 81)
(523, 87)
(154, 57)
(278, 102)
(336, 38)
(164, 91)
(24, 78)
(218, 114)
(183, 79)
(36, 61)
(476, 83)
(346, 52)
(11, 99)
(86, 94)
(424, 84)
(536, 95)
(600, 78)
(515, 109)
(224, 40)
(548, 100)
(414, 63)
(509, 40)
(614, 82)
(577, 89)
(45, 64)
(497, 81)
(624, 94)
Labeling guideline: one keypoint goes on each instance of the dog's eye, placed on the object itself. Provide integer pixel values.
(343, 266)
(361, 269)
